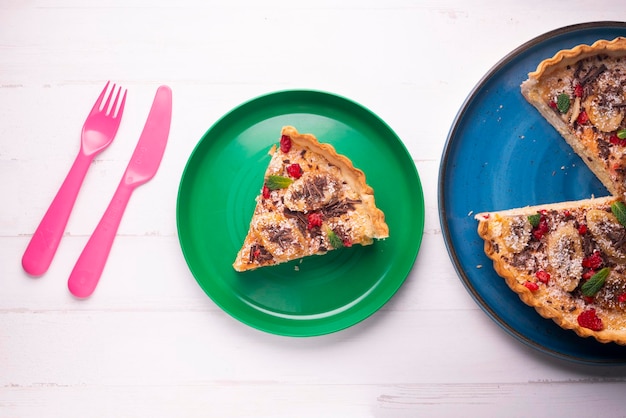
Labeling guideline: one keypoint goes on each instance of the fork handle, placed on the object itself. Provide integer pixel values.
(89, 266)
(45, 241)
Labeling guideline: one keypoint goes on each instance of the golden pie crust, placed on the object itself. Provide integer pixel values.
(325, 205)
(563, 251)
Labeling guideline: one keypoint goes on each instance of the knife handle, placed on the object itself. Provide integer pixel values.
(89, 266)
(45, 241)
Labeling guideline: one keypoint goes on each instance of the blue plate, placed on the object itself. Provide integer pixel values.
(500, 154)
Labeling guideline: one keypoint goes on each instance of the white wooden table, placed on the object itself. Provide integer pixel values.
(149, 342)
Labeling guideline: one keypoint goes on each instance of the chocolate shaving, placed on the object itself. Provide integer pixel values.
(341, 233)
(579, 68)
(603, 148)
(259, 253)
(314, 188)
(337, 208)
(300, 217)
(617, 237)
(587, 244)
(592, 74)
(280, 236)
(333, 209)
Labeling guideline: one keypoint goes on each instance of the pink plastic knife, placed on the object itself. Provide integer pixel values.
(143, 165)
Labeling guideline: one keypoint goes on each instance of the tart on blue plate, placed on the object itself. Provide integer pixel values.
(568, 259)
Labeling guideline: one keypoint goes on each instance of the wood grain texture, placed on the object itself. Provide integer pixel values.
(149, 342)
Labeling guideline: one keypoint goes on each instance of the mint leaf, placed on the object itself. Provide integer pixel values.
(621, 134)
(274, 182)
(534, 219)
(562, 102)
(619, 210)
(595, 283)
(335, 241)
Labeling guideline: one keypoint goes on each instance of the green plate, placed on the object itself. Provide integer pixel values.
(319, 294)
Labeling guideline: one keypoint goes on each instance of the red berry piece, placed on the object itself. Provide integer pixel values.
(589, 319)
(314, 219)
(582, 118)
(578, 90)
(593, 261)
(582, 229)
(533, 287)
(294, 170)
(265, 192)
(542, 228)
(285, 143)
(543, 276)
(621, 298)
(615, 140)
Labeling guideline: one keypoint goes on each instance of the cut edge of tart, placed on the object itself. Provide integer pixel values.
(313, 200)
(550, 262)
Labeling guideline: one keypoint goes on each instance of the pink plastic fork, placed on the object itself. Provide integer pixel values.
(98, 132)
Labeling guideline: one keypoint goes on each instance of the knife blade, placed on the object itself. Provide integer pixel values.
(142, 166)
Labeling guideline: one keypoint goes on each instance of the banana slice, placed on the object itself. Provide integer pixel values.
(565, 254)
(516, 233)
(608, 233)
(312, 192)
(605, 118)
(575, 110)
(278, 237)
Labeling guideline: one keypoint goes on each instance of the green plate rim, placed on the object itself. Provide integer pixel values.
(329, 324)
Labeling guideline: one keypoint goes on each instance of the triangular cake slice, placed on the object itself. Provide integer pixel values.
(567, 260)
(582, 93)
(313, 200)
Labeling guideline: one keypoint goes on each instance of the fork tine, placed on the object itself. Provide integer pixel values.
(121, 108)
(114, 105)
(98, 103)
(105, 109)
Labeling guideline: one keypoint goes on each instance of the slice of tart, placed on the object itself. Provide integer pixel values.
(313, 200)
(567, 260)
(581, 92)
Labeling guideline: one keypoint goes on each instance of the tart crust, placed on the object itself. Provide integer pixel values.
(279, 229)
(519, 264)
